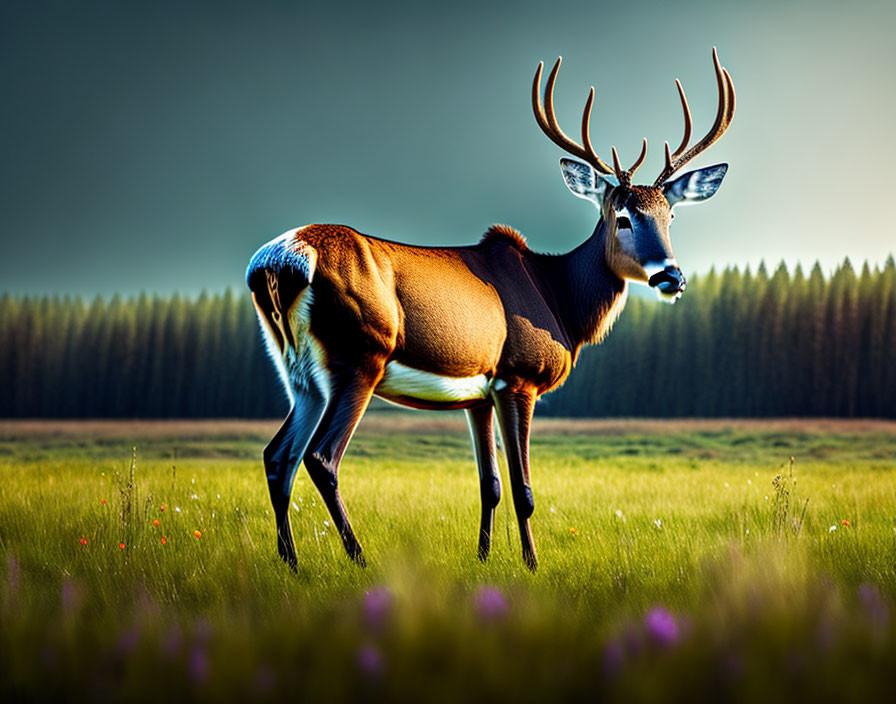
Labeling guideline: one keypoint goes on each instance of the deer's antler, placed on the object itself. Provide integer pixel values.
(725, 112)
(547, 120)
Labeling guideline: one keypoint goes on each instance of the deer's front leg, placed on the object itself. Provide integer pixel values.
(514, 406)
(482, 431)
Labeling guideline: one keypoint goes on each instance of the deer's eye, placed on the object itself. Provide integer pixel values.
(623, 223)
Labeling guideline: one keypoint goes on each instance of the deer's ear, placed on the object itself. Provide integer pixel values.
(584, 181)
(695, 186)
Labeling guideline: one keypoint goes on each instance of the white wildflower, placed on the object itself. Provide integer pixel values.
(658, 523)
(832, 529)
(295, 506)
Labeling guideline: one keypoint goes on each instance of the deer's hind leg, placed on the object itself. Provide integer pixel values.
(482, 431)
(281, 461)
(351, 389)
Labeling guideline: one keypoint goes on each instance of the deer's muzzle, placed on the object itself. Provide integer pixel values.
(669, 282)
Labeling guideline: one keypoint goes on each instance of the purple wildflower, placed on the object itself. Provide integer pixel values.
(264, 679)
(12, 570)
(490, 604)
(873, 604)
(825, 633)
(370, 661)
(732, 667)
(203, 631)
(127, 641)
(661, 627)
(377, 607)
(633, 640)
(198, 665)
(614, 654)
(71, 596)
(171, 643)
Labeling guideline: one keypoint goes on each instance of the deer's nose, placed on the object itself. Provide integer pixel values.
(669, 280)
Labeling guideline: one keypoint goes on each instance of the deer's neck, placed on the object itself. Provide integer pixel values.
(589, 294)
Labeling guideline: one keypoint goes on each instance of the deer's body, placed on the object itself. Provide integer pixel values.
(448, 324)
(487, 328)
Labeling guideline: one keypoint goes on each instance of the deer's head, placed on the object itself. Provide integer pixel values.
(637, 218)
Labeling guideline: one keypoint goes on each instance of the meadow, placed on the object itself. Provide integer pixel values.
(699, 560)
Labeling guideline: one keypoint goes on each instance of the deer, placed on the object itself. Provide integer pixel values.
(488, 328)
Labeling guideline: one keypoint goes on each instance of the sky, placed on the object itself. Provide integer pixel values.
(154, 146)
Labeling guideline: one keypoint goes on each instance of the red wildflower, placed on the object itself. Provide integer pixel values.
(164, 542)
(845, 522)
(121, 546)
(197, 533)
(572, 531)
(83, 541)
(155, 522)
(103, 502)
(161, 508)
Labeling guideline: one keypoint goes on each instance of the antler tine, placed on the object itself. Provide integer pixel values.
(549, 103)
(547, 120)
(556, 134)
(620, 174)
(687, 119)
(640, 160)
(539, 111)
(724, 115)
(536, 100)
(625, 175)
(731, 97)
(593, 158)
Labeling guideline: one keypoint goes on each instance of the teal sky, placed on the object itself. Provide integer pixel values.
(154, 146)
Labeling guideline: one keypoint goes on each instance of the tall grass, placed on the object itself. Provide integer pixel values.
(681, 564)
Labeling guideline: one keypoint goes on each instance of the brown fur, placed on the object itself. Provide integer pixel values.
(507, 233)
(495, 308)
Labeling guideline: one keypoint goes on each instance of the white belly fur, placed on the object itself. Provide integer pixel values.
(400, 380)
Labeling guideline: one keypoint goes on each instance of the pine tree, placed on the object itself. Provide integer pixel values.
(888, 295)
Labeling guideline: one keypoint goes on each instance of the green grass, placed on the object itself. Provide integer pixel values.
(767, 600)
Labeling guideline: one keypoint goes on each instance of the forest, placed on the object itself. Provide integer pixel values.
(738, 344)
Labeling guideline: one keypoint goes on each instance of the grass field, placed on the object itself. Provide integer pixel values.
(678, 560)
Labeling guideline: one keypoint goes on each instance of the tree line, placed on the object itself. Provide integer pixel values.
(739, 343)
